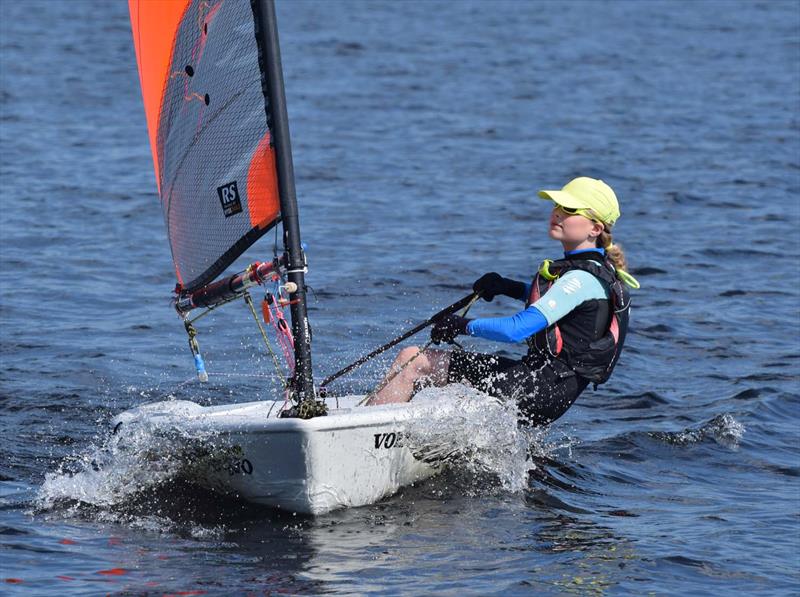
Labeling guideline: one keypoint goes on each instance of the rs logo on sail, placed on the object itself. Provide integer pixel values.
(388, 440)
(229, 197)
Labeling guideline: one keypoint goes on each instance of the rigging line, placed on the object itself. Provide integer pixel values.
(391, 377)
(467, 300)
(210, 309)
(399, 370)
(279, 372)
(165, 394)
(282, 329)
(468, 306)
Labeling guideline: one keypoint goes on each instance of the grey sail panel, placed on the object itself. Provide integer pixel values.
(214, 162)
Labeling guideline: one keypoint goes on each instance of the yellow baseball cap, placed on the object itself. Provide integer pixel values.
(587, 193)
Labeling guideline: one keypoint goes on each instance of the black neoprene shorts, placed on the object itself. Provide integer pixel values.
(542, 394)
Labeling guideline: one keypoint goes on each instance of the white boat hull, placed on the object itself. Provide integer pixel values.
(352, 457)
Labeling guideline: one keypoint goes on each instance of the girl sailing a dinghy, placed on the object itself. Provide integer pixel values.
(574, 321)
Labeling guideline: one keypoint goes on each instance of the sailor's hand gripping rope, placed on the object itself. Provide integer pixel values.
(427, 345)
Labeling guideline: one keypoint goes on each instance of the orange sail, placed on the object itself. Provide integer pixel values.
(212, 153)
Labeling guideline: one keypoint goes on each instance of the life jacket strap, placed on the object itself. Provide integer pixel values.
(535, 295)
(613, 328)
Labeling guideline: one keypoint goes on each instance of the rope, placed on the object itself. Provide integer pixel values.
(249, 300)
(402, 367)
(210, 309)
(284, 335)
(282, 330)
(404, 336)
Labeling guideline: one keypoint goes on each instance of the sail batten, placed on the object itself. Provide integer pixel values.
(212, 152)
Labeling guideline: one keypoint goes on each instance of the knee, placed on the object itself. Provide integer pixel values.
(413, 362)
(408, 353)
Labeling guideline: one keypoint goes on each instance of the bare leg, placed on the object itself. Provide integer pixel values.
(431, 363)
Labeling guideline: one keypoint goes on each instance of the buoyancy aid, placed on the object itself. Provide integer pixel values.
(589, 339)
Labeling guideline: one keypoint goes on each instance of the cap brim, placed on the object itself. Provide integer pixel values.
(562, 198)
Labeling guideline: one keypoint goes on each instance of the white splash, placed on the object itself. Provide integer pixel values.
(481, 437)
(724, 429)
(141, 456)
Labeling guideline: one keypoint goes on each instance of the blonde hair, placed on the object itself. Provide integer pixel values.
(614, 251)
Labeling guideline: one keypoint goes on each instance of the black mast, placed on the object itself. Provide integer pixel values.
(266, 30)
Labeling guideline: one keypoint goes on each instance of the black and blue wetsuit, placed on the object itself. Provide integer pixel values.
(579, 304)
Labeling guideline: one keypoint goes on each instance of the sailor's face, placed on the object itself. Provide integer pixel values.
(569, 228)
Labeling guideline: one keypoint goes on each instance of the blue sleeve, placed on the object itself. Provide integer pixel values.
(566, 293)
(509, 329)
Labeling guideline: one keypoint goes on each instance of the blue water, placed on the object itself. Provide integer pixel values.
(421, 131)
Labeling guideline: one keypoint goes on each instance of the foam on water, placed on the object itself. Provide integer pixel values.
(724, 429)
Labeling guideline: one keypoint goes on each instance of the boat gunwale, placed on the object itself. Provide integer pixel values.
(229, 421)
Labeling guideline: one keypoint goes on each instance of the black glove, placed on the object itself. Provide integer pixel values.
(492, 284)
(447, 328)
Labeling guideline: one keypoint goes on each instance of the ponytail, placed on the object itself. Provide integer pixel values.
(614, 251)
